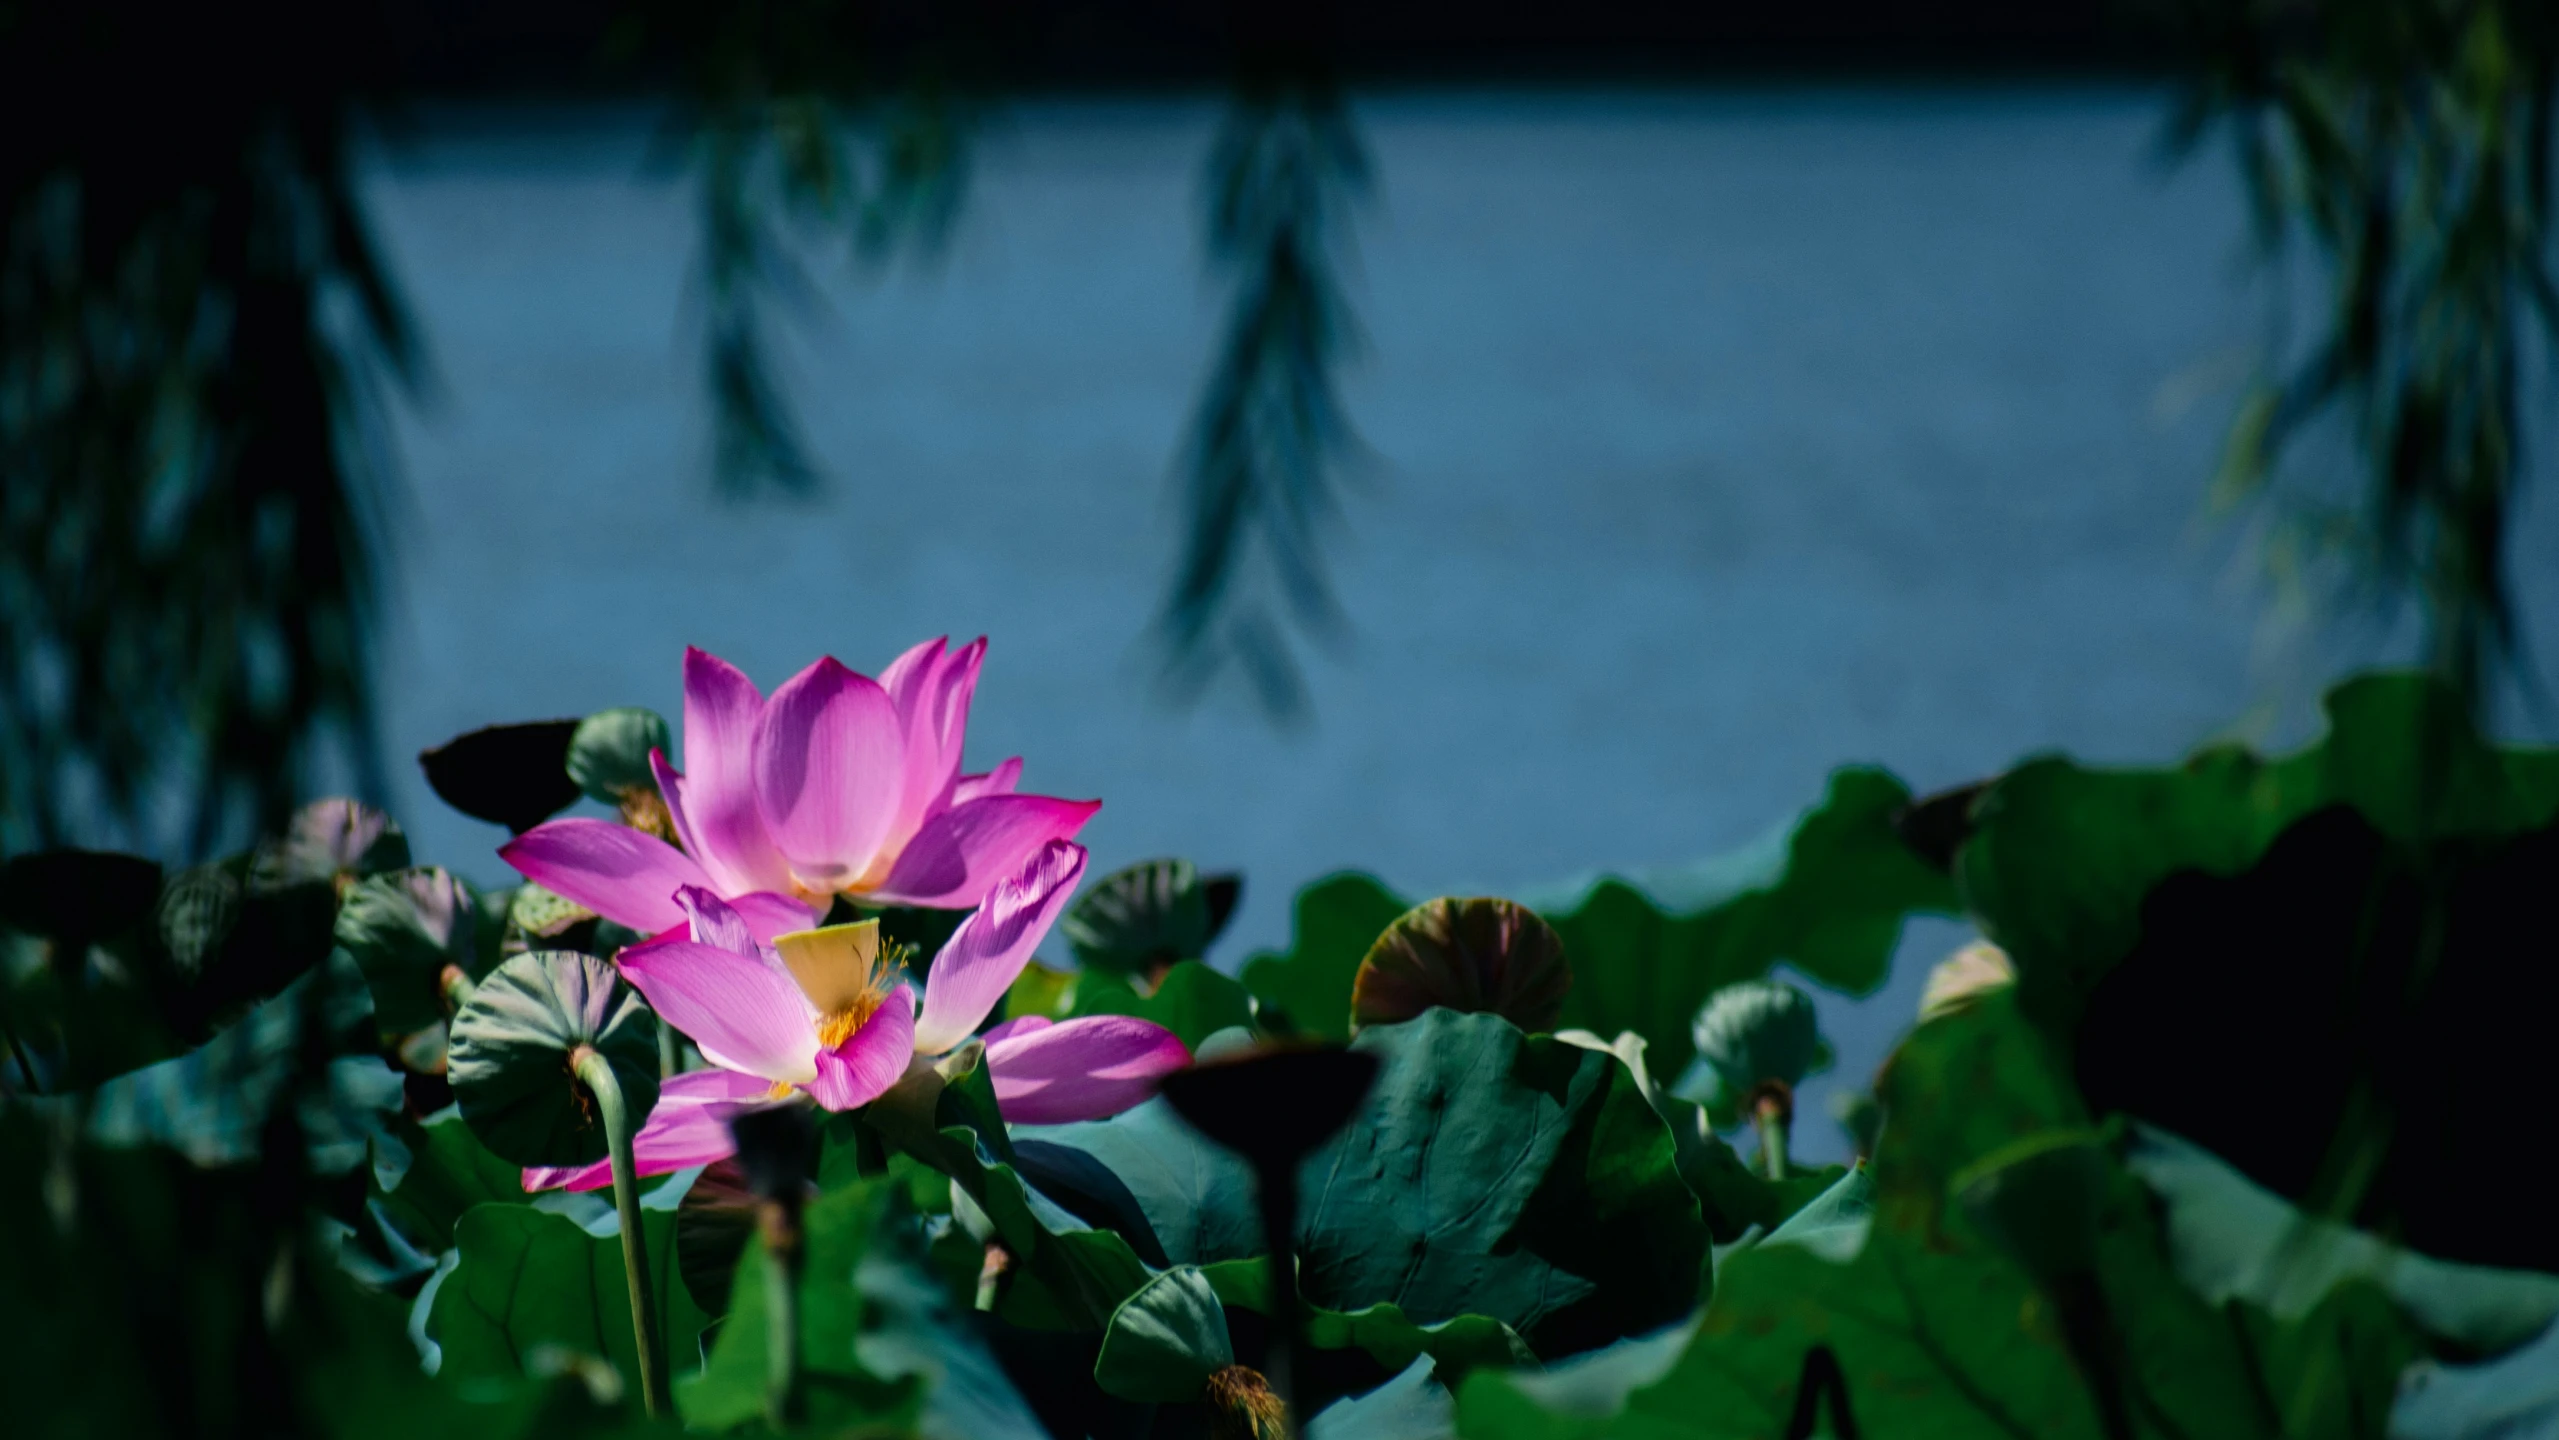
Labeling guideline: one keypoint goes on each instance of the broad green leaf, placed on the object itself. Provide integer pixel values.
(1834, 1225)
(1392, 1338)
(530, 1279)
(2516, 1394)
(2061, 856)
(1197, 1198)
(1521, 1178)
(1164, 1341)
(1412, 1406)
(512, 1049)
(2232, 1239)
(1939, 1334)
(1306, 989)
(1193, 1001)
(449, 1172)
(1827, 895)
(838, 1390)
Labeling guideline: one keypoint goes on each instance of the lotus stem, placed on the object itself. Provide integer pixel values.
(597, 1076)
(991, 1273)
(778, 1221)
(670, 1052)
(1773, 1109)
(1278, 1187)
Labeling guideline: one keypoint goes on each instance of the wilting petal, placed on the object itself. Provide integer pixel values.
(714, 806)
(856, 1072)
(982, 957)
(999, 781)
(1082, 1069)
(959, 854)
(622, 874)
(1018, 1025)
(767, 914)
(688, 1126)
(829, 767)
(744, 1013)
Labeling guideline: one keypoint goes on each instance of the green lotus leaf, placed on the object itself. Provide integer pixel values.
(1494, 1173)
(608, 756)
(529, 1280)
(837, 1389)
(1196, 1196)
(1391, 1338)
(1827, 895)
(1164, 1341)
(1478, 955)
(1306, 989)
(1937, 1331)
(1191, 1000)
(404, 928)
(448, 1172)
(539, 914)
(512, 1050)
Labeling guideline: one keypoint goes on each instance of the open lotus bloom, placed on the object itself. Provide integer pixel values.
(837, 785)
(819, 1011)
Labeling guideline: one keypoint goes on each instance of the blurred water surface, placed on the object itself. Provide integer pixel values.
(1715, 440)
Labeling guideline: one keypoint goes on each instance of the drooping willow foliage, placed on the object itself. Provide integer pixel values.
(194, 324)
(2408, 146)
(1268, 440)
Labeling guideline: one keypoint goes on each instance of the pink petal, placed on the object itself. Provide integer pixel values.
(744, 1013)
(689, 1126)
(931, 688)
(622, 874)
(959, 854)
(829, 767)
(1082, 1069)
(982, 957)
(858, 1071)
(1018, 1025)
(713, 922)
(767, 914)
(714, 805)
(999, 781)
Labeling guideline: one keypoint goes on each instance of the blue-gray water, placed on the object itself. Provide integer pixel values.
(1715, 440)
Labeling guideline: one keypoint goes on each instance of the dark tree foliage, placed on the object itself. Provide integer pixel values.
(192, 320)
(1262, 463)
(2409, 146)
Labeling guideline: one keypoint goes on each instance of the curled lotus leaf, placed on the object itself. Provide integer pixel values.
(1477, 956)
(404, 928)
(335, 840)
(1149, 916)
(511, 1062)
(608, 754)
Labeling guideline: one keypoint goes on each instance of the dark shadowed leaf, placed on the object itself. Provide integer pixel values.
(529, 1279)
(511, 775)
(1139, 919)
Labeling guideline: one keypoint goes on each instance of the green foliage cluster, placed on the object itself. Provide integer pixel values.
(238, 1196)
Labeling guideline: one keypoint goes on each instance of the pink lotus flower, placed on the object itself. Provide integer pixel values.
(819, 1011)
(837, 785)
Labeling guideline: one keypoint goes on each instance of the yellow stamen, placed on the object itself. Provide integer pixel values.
(781, 1091)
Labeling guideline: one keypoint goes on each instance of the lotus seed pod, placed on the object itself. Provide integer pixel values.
(1749, 1035)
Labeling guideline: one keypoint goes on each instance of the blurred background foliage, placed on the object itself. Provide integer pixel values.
(198, 333)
